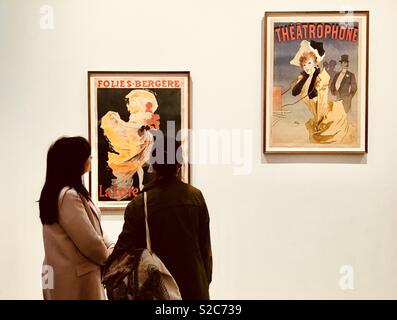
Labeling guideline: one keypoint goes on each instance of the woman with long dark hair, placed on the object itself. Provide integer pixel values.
(74, 243)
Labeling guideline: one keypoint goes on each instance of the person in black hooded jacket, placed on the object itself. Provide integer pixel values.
(179, 229)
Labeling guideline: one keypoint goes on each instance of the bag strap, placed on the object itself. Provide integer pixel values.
(148, 243)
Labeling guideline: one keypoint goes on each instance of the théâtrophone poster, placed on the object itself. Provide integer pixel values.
(316, 66)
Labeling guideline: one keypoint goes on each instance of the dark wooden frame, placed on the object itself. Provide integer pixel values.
(264, 70)
(118, 210)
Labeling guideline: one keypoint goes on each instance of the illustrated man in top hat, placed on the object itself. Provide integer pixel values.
(331, 69)
(343, 84)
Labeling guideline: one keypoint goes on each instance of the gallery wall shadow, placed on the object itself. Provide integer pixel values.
(314, 158)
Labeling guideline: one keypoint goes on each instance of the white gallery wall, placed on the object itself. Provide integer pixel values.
(285, 229)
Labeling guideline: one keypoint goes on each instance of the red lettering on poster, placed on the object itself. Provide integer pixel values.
(298, 32)
(291, 31)
(277, 30)
(327, 30)
(320, 30)
(284, 33)
(355, 35)
(312, 31)
(342, 33)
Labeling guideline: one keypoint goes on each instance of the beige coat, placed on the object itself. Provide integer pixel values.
(75, 248)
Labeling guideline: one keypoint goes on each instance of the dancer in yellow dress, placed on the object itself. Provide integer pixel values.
(329, 123)
(132, 141)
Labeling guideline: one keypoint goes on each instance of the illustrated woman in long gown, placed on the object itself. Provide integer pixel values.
(131, 140)
(329, 123)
